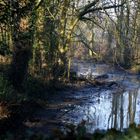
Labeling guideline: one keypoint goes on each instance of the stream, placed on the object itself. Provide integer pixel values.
(100, 107)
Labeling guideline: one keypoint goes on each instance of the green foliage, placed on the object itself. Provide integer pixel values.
(32, 89)
(7, 92)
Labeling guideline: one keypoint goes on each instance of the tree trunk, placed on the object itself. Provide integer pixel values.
(19, 65)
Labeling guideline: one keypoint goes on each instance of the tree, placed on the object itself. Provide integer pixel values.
(19, 15)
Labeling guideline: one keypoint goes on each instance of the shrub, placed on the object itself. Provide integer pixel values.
(7, 92)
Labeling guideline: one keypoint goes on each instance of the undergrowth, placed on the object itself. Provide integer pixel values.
(77, 133)
(7, 92)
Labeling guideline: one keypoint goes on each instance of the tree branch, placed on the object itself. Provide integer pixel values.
(38, 5)
(87, 7)
(86, 11)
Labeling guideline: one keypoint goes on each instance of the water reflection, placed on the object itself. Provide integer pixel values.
(114, 108)
(109, 109)
(119, 111)
(124, 109)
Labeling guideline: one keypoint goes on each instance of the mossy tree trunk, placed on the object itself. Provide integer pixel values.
(22, 36)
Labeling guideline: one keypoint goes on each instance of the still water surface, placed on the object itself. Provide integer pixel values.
(101, 107)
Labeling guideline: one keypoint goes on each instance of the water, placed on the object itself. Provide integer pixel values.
(101, 107)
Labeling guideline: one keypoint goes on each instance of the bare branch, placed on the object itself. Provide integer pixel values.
(86, 11)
